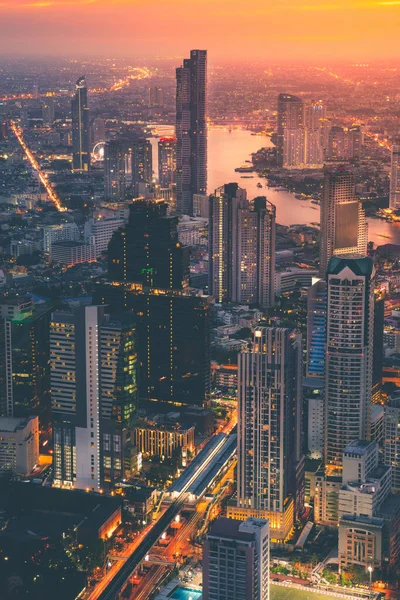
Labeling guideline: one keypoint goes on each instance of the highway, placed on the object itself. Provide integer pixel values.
(17, 131)
(110, 590)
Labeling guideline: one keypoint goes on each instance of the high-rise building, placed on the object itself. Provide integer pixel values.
(48, 112)
(290, 116)
(93, 360)
(391, 439)
(149, 273)
(156, 97)
(98, 131)
(19, 444)
(114, 171)
(343, 226)
(349, 355)
(80, 127)
(59, 233)
(270, 429)
(394, 198)
(241, 247)
(166, 161)
(236, 560)
(24, 357)
(98, 232)
(191, 130)
(316, 329)
(142, 165)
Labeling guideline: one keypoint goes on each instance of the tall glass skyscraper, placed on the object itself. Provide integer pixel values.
(80, 127)
(114, 171)
(395, 178)
(343, 226)
(191, 130)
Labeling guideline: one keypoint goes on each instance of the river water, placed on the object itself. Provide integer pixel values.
(228, 150)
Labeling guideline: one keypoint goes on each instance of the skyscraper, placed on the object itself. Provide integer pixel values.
(316, 329)
(24, 358)
(391, 439)
(98, 130)
(48, 111)
(291, 117)
(241, 247)
(149, 273)
(80, 127)
(142, 165)
(270, 429)
(166, 161)
(191, 130)
(349, 355)
(343, 226)
(236, 560)
(394, 199)
(156, 97)
(93, 362)
(114, 171)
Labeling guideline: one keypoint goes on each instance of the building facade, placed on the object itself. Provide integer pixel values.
(236, 560)
(93, 362)
(80, 127)
(114, 171)
(166, 161)
(19, 444)
(394, 196)
(191, 130)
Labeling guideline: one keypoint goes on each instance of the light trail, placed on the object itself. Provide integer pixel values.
(17, 131)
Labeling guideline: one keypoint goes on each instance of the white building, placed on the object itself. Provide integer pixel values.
(286, 281)
(72, 253)
(59, 233)
(316, 427)
(391, 439)
(98, 232)
(19, 444)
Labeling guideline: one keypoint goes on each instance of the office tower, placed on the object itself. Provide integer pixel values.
(241, 247)
(48, 112)
(24, 356)
(156, 97)
(236, 560)
(149, 276)
(394, 198)
(166, 161)
(391, 439)
(294, 143)
(141, 165)
(349, 355)
(114, 171)
(290, 116)
(93, 362)
(80, 127)
(191, 130)
(356, 141)
(270, 429)
(377, 368)
(314, 115)
(338, 144)
(343, 226)
(98, 130)
(147, 250)
(316, 329)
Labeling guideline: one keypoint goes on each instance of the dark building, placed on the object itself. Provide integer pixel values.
(191, 130)
(166, 161)
(377, 365)
(147, 250)
(142, 165)
(148, 273)
(24, 356)
(80, 127)
(93, 362)
(114, 171)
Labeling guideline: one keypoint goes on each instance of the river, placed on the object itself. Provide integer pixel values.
(228, 150)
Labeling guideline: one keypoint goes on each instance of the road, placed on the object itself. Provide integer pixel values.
(149, 584)
(109, 590)
(17, 131)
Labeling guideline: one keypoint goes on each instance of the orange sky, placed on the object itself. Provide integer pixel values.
(269, 29)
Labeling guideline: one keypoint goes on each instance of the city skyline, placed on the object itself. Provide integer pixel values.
(292, 28)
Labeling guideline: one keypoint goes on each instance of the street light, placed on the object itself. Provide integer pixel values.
(370, 569)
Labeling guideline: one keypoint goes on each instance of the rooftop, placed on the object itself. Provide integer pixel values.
(14, 423)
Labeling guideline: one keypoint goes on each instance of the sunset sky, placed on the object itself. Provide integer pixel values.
(268, 29)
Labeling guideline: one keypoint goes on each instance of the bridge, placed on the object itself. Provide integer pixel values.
(194, 480)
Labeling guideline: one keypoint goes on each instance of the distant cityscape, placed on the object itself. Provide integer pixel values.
(199, 330)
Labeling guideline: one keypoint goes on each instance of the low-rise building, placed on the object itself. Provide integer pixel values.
(70, 253)
(19, 444)
(153, 439)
